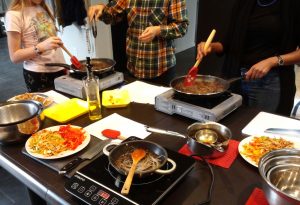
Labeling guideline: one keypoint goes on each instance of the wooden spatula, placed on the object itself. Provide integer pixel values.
(192, 74)
(73, 59)
(136, 156)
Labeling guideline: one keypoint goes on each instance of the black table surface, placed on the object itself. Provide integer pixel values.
(232, 186)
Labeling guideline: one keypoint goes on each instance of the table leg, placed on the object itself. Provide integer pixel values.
(36, 199)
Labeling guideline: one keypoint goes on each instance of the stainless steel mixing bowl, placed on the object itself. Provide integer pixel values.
(18, 120)
(214, 150)
(280, 170)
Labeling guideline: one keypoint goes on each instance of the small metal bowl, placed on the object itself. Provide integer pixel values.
(215, 150)
(280, 170)
(19, 119)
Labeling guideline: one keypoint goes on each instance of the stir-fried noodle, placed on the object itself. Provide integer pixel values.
(150, 162)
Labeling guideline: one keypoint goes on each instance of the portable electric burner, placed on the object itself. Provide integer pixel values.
(73, 85)
(205, 109)
(99, 183)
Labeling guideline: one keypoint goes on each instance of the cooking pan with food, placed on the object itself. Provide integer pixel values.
(156, 157)
(199, 138)
(100, 66)
(204, 86)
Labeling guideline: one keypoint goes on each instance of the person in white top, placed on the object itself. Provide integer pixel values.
(31, 37)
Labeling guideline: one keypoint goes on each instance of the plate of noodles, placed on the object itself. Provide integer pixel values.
(57, 142)
(254, 147)
(40, 97)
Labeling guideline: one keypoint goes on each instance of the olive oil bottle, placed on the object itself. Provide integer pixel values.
(91, 86)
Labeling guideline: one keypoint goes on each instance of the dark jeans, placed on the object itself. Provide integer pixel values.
(263, 93)
(40, 82)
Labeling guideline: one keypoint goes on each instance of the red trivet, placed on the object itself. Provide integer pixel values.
(224, 161)
(257, 197)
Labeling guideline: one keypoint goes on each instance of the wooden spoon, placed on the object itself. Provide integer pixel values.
(73, 59)
(136, 156)
(192, 74)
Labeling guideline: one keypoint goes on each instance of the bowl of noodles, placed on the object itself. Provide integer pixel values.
(45, 100)
(155, 158)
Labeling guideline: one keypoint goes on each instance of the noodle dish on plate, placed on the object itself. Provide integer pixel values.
(254, 147)
(57, 142)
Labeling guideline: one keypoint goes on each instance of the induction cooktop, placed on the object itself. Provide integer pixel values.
(205, 109)
(99, 183)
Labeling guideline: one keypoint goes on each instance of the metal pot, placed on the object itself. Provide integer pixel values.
(100, 66)
(280, 170)
(213, 150)
(192, 92)
(19, 120)
(128, 147)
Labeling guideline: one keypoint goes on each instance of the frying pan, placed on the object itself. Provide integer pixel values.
(192, 92)
(128, 147)
(100, 65)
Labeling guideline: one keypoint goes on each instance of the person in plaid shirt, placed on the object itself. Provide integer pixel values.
(152, 27)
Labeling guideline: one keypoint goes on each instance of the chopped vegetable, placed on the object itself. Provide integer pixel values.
(51, 143)
(73, 136)
(259, 146)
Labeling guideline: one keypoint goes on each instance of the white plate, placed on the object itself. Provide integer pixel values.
(44, 99)
(64, 153)
(295, 140)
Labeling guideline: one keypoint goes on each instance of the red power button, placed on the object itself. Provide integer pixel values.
(103, 194)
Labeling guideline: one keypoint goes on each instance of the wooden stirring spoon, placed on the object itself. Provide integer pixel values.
(136, 156)
(192, 74)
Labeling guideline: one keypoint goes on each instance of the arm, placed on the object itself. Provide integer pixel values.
(177, 21)
(176, 28)
(261, 68)
(110, 13)
(18, 54)
(214, 47)
(95, 11)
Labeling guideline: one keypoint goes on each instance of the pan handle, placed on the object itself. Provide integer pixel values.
(167, 171)
(232, 80)
(164, 132)
(60, 65)
(113, 143)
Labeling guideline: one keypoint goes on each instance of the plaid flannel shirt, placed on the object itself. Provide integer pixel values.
(149, 60)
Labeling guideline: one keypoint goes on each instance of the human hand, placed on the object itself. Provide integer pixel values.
(149, 34)
(95, 11)
(50, 43)
(201, 52)
(260, 69)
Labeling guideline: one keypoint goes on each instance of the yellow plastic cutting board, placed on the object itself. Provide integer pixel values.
(67, 110)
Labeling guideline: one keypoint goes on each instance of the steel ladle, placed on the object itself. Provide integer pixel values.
(209, 137)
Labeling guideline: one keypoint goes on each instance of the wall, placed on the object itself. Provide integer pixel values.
(189, 39)
(77, 39)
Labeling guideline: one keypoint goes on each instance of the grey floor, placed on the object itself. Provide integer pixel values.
(12, 192)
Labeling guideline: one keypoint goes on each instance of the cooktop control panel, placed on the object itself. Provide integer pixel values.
(92, 192)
